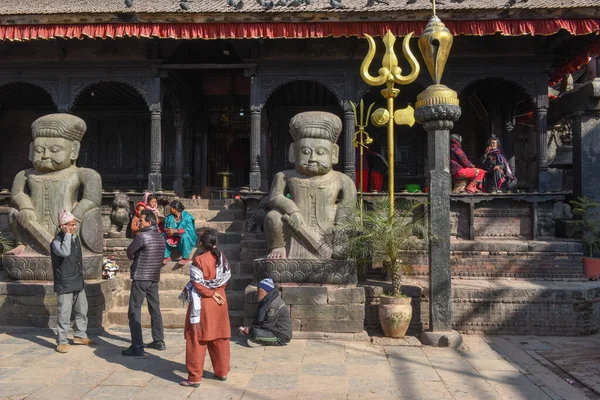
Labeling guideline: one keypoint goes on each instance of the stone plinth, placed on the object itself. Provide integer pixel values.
(318, 308)
(33, 303)
(516, 307)
(38, 267)
(299, 271)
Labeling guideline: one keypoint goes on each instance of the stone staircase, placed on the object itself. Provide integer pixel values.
(228, 218)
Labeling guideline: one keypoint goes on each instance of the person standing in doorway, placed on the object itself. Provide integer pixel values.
(207, 319)
(146, 251)
(67, 265)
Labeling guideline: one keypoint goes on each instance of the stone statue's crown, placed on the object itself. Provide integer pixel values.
(316, 125)
(65, 126)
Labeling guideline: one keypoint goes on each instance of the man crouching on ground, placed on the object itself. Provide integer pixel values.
(67, 264)
(273, 325)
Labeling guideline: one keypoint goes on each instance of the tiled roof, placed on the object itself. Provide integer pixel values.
(35, 7)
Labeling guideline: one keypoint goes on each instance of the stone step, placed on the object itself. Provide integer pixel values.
(222, 226)
(231, 214)
(172, 317)
(170, 299)
(238, 282)
(211, 204)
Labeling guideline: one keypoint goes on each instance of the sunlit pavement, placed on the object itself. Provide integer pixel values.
(485, 367)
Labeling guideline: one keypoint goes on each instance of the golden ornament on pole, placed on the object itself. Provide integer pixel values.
(362, 140)
(435, 44)
(390, 74)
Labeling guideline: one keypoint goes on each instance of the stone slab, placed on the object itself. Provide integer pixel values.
(329, 312)
(316, 325)
(346, 295)
(301, 295)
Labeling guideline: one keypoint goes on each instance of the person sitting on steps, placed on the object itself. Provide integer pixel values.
(180, 233)
(462, 168)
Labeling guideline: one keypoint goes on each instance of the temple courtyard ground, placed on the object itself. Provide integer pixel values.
(485, 367)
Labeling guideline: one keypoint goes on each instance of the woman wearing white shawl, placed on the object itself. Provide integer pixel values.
(207, 320)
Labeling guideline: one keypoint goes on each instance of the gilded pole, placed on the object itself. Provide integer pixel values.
(390, 74)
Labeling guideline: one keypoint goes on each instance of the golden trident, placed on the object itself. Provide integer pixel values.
(362, 140)
(390, 73)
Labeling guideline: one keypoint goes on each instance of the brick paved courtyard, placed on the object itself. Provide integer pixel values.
(497, 367)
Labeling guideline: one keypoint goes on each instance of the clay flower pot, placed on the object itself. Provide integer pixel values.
(395, 314)
(591, 268)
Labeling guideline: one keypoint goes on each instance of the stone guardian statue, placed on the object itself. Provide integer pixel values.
(54, 184)
(308, 201)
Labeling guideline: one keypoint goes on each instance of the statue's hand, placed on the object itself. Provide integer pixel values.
(24, 216)
(296, 221)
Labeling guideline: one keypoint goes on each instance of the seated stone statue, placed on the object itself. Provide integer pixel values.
(41, 193)
(302, 226)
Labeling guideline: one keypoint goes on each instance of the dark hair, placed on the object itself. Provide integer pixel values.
(151, 197)
(176, 204)
(209, 240)
(150, 217)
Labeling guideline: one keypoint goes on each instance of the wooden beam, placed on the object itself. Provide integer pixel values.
(206, 66)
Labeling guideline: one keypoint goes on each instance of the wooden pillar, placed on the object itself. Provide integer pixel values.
(264, 155)
(204, 176)
(255, 147)
(541, 127)
(349, 165)
(155, 175)
(178, 181)
(197, 162)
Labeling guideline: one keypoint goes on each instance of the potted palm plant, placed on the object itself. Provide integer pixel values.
(379, 237)
(588, 225)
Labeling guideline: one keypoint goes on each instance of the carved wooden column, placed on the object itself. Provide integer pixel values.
(197, 161)
(541, 127)
(204, 176)
(349, 165)
(155, 175)
(255, 147)
(64, 94)
(178, 181)
(264, 154)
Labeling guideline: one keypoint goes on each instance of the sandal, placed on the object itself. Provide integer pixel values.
(189, 384)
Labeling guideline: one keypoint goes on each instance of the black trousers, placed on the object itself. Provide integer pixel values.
(265, 337)
(141, 290)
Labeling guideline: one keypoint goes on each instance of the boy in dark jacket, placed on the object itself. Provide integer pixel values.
(67, 264)
(273, 325)
(146, 251)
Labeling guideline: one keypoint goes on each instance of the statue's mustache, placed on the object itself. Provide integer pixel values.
(311, 164)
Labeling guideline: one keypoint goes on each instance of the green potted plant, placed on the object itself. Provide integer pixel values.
(380, 237)
(588, 225)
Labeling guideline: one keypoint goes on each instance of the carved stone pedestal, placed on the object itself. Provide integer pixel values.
(299, 271)
(33, 304)
(39, 268)
(322, 294)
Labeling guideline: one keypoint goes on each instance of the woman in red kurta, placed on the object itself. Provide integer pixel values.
(209, 326)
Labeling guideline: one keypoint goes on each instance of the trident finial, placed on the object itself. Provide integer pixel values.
(390, 72)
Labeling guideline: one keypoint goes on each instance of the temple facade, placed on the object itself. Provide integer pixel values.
(178, 95)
